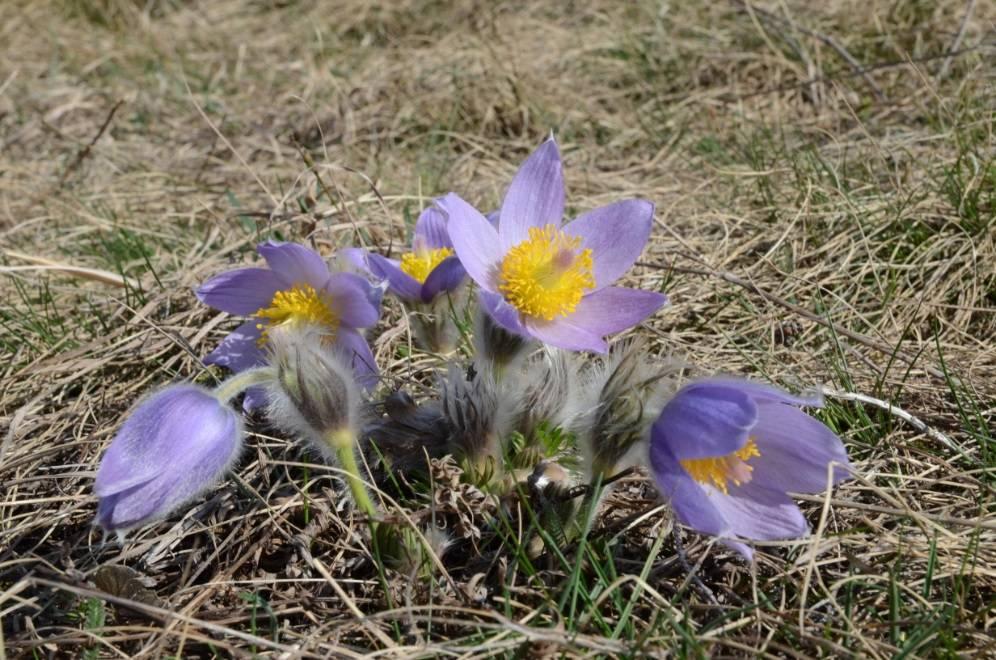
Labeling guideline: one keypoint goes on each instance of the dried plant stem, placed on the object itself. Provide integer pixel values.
(896, 411)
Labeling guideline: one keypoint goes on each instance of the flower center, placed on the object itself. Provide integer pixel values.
(545, 276)
(420, 263)
(298, 305)
(719, 470)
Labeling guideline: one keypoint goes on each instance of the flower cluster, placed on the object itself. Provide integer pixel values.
(525, 410)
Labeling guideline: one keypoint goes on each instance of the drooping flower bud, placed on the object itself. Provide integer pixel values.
(315, 394)
(174, 446)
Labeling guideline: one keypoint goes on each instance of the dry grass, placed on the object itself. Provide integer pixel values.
(815, 224)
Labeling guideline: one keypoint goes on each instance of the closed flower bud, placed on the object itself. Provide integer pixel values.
(315, 394)
(477, 420)
(174, 446)
(622, 397)
(545, 391)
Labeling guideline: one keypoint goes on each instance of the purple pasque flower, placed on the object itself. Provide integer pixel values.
(550, 282)
(725, 451)
(174, 446)
(297, 289)
(430, 269)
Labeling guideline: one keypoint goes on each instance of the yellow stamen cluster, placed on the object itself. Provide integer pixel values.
(546, 276)
(420, 263)
(298, 305)
(719, 470)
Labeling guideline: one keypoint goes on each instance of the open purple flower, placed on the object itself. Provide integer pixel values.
(542, 280)
(724, 452)
(296, 289)
(174, 446)
(430, 269)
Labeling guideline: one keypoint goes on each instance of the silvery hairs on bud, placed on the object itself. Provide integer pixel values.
(621, 397)
(314, 392)
(543, 391)
(407, 435)
(472, 407)
(495, 343)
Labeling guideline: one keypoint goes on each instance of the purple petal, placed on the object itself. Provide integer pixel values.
(430, 230)
(295, 264)
(535, 197)
(742, 549)
(355, 348)
(763, 391)
(493, 218)
(349, 297)
(239, 350)
(355, 260)
(255, 399)
(614, 309)
(399, 282)
(244, 291)
(564, 333)
(616, 235)
(687, 498)
(445, 277)
(176, 443)
(758, 513)
(702, 422)
(503, 314)
(475, 241)
(795, 450)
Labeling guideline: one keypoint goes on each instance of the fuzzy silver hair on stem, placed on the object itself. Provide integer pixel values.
(621, 398)
(496, 344)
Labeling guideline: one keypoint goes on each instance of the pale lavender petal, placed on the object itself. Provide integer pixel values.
(239, 350)
(758, 513)
(616, 235)
(176, 444)
(350, 300)
(355, 260)
(445, 277)
(687, 498)
(703, 422)
(564, 333)
(493, 218)
(295, 264)
(795, 450)
(399, 282)
(430, 230)
(615, 309)
(355, 348)
(255, 398)
(244, 291)
(742, 549)
(763, 391)
(503, 314)
(535, 197)
(474, 240)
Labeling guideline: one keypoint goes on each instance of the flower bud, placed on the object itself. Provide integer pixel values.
(315, 394)
(174, 446)
(622, 397)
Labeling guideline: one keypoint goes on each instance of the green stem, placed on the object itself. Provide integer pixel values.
(232, 387)
(343, 442)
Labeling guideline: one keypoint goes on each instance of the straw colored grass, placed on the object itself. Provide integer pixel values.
(825, 185)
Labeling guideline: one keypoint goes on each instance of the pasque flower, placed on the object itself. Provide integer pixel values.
(724, 452)
(297, 289)
(430, 269)
(542, 280)
(176, 444)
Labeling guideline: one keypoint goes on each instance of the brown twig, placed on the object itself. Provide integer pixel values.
(858, 68)
(85, 151)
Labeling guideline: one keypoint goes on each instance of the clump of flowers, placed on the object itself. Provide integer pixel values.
(514, 409)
